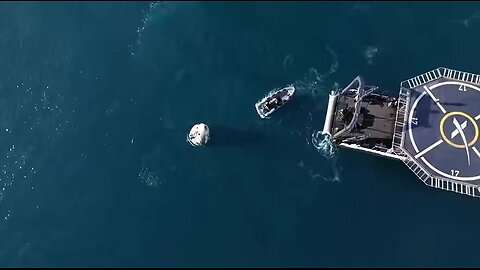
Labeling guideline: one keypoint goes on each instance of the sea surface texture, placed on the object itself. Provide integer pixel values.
(97, 98)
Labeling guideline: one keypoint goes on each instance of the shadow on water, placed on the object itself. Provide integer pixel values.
(296, 105)
(235, 136)
(240, 136)
(298, 101)
(303, 113)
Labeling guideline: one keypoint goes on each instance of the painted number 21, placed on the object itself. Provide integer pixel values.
(415, 121)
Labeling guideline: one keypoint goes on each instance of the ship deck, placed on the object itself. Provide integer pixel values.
(376, 119)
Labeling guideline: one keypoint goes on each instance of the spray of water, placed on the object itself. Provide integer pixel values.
(147, 18)
(469, 20)
(148, 177)
(325, 147)
(315, 175)
(323, 144)
(314, 81)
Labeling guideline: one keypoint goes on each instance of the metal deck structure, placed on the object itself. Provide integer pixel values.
(360, 119)
(433, 126)
(440, 129)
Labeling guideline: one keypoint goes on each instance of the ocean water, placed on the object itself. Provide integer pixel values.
(96, 100)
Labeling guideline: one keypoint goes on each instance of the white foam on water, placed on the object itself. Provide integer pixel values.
(14, 166)
(288, 61)
(370, 53)
(148, 177)
(323, 144)
(315, 175)
(49, 109)
(467, 22)
(314, 81)
(147, 18)
(359, 9)
(8, 216)
(41, 115)
(314, 84)
(334, 66)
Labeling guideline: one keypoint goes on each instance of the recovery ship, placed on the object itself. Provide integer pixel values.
(432, 126)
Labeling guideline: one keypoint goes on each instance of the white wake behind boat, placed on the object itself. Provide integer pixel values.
(273, 101)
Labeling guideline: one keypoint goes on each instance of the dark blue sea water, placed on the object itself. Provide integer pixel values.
(96, 100)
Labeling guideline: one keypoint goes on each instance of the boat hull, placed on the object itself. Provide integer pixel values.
(283, 95)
